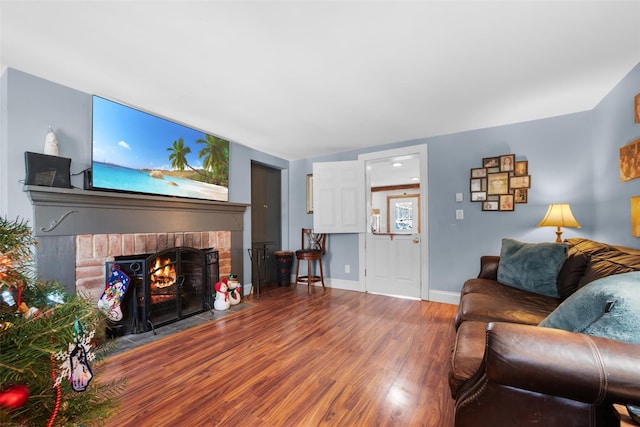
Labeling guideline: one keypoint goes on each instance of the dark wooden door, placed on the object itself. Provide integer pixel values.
(265, 218)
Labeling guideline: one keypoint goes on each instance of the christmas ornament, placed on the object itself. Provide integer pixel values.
(5, 266)
(14, 396)
(114, 292)
(28, 312)
(8, 298)
(75, 364)
(80, 371)
(5, 325)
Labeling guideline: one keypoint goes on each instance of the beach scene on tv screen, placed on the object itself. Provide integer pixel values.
(139, 152)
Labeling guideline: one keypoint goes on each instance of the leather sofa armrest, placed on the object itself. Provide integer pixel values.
(489, 267)
(554, 362)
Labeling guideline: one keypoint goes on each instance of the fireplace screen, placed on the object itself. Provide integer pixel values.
(166, 286)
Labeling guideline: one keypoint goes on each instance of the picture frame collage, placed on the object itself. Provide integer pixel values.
(501, 183)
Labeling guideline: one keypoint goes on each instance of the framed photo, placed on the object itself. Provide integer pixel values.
(490, 206)
(309, 193)
(522, 168)
(635, 216)
(478, 196)
(507, 162)
(498, 183)
(493, 170)
(478, 173)
(520, 182)
(506, 202)
(478, 184)
(520, 195)
(637, 105)
(629, 161)
(491, 162)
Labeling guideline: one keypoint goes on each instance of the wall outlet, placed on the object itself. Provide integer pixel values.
(459, 214)
(347, 268)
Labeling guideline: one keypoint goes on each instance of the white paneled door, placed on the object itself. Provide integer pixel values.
(393, 264)
(395, 255)
(339, 197)
(392, 261)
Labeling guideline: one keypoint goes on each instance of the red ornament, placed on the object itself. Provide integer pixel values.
(14, 396)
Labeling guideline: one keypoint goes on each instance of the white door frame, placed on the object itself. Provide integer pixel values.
(421, 150)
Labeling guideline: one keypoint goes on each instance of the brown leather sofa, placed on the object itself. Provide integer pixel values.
(507, 371)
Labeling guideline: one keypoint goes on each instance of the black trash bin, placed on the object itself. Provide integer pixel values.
(284, 259)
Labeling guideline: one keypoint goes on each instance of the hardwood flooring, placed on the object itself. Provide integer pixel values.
(333, 357)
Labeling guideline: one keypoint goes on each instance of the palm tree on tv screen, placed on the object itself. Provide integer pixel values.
(216, 158)
(178, 157)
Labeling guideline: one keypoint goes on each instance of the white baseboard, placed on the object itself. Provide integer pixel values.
(445, 297)
(347, 285)
(246, 289)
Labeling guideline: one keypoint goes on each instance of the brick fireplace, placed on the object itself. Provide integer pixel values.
(79, 230)
(94, 250)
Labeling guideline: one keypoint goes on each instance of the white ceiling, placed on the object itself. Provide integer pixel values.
(303, 79)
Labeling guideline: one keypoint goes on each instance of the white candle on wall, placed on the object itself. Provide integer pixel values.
(51, 143)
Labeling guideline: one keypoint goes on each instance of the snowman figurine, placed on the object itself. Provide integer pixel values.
(234, 292)
(222, 296)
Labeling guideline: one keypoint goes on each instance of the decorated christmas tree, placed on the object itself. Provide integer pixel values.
(50, 345)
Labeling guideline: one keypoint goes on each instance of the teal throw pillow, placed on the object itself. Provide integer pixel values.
(607, 307)
(532, 267)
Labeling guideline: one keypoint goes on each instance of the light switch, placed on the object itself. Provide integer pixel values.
(459, 214)
(458, 197)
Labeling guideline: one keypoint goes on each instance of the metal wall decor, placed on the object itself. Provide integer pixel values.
(501, 183)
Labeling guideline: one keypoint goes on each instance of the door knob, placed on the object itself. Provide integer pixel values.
(416, 240)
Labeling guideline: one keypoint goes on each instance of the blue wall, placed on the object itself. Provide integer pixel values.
(572, 158)
(31, 104)
(614, 127)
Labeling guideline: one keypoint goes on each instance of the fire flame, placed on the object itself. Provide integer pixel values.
(162, 274)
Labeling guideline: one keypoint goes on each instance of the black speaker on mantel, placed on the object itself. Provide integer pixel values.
(88, 181)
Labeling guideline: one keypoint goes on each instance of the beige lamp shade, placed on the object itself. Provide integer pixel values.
(559, 215)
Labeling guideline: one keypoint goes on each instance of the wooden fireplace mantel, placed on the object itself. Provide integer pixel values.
(61, 214)
(69, 212)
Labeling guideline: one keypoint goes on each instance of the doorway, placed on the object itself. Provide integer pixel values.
(266, 221)
(393, 250)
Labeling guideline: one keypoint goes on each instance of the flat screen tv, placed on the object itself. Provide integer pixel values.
(138, 152)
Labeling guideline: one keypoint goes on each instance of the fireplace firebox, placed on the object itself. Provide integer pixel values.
(165, 287)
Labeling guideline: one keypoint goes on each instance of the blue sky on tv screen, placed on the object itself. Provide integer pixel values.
(131, 138)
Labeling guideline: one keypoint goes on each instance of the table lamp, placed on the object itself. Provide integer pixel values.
(559, 215)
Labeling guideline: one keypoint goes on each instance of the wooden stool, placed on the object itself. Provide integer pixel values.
(309, 256)
(314, 245)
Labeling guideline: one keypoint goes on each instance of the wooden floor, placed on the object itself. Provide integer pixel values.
(334, 357)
